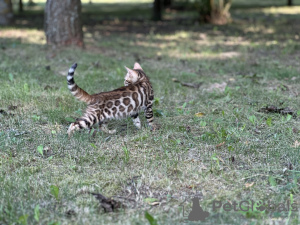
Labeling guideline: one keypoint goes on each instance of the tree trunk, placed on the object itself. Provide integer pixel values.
(167, 3)
(216, 12)
(205, 8)
(63, 23)
(6, 13)
(31, 3)
(290, 2)
(21, 6)
(157, 10)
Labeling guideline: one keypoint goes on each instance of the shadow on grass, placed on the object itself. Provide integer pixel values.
(127, 18)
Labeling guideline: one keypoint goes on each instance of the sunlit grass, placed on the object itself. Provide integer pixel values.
(259, 4)
(282, 10)
(26, 36)
(286, 10)
(101, 1)
(262, 29)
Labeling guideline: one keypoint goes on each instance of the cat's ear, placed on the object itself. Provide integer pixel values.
(137, 66)
(130, 71)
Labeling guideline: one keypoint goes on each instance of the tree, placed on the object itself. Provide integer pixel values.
(21, 8)
(63, 23)
(31, 3)
(290, 2)
(157, 5)
(167, 3)
(6, 13)
(214, 12)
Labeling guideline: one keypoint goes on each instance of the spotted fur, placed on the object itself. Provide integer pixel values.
(136, 95)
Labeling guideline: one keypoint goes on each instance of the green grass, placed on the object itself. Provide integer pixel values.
(232, 153)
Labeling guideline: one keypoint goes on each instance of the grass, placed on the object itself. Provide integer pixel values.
(230, 152)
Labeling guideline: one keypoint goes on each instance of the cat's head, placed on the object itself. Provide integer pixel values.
(133, 75)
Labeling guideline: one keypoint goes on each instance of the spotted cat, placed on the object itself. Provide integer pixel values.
(136, 95)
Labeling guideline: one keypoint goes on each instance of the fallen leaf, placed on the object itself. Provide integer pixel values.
(199, 114)
(221, 144)
(191, 186)
(188, 128)
(283, 87)
(257, 131)
(3, 112)
(216, 86)
(247, 185)
(108, 204)
(150, 200)
(154, 203)
(220, 159)
(96, 64)
(296, 144)
(70, 212)
(48, 87)
(254, 78)
(275, 109)
(12, 107)
(192, 85)
(155, 127)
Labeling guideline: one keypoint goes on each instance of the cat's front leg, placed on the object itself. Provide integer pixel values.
(136, 120)
(73, 127)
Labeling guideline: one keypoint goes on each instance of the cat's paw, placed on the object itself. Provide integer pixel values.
(112, 131)
(72, 128)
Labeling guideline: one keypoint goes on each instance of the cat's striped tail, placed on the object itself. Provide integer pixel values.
(75, 89)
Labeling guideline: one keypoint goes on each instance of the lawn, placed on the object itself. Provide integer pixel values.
(227, 107)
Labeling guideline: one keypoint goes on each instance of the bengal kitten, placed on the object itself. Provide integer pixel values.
(136, 95)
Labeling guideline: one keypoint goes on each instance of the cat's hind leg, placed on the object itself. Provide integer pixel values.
(88, 120)
(149, 115)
